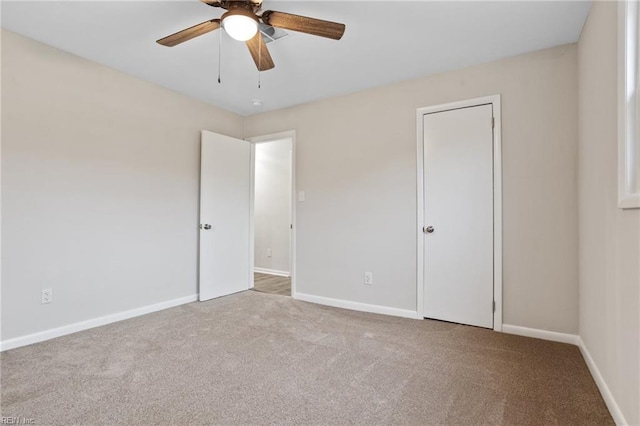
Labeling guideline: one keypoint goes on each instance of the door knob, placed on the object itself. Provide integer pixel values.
(205, 226)
(428, 229)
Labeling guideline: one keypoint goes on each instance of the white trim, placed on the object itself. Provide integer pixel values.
(628, 116)
(420, 214)
(291, 134)
(497, 212)
(92, 323)
(252, 226)
(553, 336)
(497, 199)
(271, 272)
(615, 411)
(356, 306)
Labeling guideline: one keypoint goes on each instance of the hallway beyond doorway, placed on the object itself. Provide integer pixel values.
(272, 284)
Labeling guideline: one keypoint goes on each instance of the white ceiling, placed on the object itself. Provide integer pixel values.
(385, 42)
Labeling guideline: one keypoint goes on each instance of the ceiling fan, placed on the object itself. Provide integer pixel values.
(241, 22)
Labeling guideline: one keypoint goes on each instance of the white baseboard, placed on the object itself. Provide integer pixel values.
(271, 272)
(95, 322)
(615, 411)
(356, 306)
(541, 334)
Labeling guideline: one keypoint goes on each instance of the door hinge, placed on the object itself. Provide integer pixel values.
(291, 226)
(493, 122)
(494, 306)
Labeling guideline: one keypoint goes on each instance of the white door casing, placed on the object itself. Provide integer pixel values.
(459, 194)
(225, 183)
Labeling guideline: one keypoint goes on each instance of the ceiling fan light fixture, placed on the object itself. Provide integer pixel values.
(240, 24)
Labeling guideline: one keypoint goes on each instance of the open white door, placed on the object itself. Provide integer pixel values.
(225, 184)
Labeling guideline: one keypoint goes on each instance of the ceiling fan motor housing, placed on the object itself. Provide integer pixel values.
(253, 5)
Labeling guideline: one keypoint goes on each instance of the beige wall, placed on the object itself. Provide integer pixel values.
(609, 236)
(100, 177)
(356, 160)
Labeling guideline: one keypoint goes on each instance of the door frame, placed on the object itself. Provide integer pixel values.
(291, 134)
(497, 199)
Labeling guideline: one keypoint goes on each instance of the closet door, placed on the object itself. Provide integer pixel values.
(458, 215)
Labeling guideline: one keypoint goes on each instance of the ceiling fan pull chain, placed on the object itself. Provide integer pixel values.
(219, 55)
(259, 57)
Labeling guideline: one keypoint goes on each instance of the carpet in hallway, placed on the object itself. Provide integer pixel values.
(272, 284)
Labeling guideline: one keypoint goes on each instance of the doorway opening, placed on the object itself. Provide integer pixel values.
(272, 214)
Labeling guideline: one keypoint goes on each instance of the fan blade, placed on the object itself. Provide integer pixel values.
(260, 53)
(189, 33)
(304, 24)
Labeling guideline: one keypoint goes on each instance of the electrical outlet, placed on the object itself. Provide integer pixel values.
(269, 252)
(368, 278)
(47, 295)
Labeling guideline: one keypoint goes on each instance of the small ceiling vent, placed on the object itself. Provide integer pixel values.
(271, 33)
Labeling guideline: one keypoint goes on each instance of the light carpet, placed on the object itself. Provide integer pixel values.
(255, 358)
